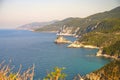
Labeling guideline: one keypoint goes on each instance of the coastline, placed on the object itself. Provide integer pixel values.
(77, 44)
(46, 31)
(66, 34)
(99, 54)
(32, 30)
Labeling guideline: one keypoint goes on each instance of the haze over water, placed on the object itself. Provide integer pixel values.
(28, 48)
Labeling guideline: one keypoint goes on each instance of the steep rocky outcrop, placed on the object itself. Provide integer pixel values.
(68, 31)
(62, 40)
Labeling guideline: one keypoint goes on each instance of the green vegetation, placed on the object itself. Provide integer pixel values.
(109, 25)
(56, 74)
(57, 25)
(113, 50)
(110, 71)
(106, 35)
(99, 39)
(85, 24)
(7, 74)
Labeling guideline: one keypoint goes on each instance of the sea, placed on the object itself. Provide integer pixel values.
(21, 47)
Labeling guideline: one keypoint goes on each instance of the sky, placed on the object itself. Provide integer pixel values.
(14, 13)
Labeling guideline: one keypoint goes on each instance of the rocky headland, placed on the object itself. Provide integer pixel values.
(62, 40)
(101, 54)
(77, 44)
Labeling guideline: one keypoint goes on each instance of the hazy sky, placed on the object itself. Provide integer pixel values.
(14, 13)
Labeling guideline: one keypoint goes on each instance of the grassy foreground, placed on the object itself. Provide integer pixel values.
(7, 74)
(110, 71)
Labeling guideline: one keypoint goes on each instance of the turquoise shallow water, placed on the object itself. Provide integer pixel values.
(27, 48)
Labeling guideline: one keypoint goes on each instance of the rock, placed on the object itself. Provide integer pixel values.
(90, 46)
(74, 45)
(78, 77)
(92, 76)
(99, 53)
(62, 40)
(77, 44)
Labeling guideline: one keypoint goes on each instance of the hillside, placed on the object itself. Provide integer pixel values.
(106, 32)
(110, 71)
(83, 24)
(35, 25)
(113, 50)
(69, 22)
(106, 35)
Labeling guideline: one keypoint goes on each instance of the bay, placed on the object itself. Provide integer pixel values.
(28, 48)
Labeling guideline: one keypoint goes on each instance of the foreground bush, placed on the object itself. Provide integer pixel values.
(56, 74)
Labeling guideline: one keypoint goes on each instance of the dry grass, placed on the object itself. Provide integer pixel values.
(7, 74)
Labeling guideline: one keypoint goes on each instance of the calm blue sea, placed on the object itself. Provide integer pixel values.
(28, 48)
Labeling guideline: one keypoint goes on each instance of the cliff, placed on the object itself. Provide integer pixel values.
(62, 40)
(68, 31)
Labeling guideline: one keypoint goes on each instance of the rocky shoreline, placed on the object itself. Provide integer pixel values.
(63, 34)
(62, 40)
(100, 54)
(77, 44)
